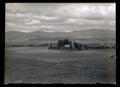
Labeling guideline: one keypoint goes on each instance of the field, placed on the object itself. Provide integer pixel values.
(42, 65)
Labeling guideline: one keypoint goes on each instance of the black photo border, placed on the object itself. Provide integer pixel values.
(2, 41)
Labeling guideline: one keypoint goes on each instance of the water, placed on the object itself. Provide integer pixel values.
(42, 65)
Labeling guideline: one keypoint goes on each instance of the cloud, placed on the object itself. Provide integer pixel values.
(59, 17)
(88, 11)
(33, 22)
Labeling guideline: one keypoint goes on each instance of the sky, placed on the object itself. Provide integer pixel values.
(59, 17)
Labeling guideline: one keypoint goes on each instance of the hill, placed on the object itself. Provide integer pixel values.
(14, 37)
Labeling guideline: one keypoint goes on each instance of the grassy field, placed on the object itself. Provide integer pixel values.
(42, 65)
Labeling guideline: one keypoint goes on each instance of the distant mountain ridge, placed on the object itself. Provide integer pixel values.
(20, 37)
(77, 34)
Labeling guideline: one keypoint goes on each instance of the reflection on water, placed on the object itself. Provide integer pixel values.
(42, 65)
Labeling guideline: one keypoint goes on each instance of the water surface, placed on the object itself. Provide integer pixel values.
(42, 65)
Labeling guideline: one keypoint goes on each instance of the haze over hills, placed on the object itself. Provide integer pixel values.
(20, 37)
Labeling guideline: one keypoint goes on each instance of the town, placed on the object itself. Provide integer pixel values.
(68, 44)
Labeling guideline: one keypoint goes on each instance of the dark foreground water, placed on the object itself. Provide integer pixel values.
(42, 65)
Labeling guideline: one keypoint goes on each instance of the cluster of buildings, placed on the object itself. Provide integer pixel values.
(67, 44)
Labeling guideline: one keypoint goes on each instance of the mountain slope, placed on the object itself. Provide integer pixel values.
(20, 37)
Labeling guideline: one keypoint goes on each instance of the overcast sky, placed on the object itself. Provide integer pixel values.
(59, 17)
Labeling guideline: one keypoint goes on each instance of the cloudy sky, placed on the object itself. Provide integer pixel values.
(59, 17)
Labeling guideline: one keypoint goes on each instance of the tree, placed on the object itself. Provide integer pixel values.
(60, 43)
(66, 41)
(71, 45)
(75, 44)
(79, 46)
